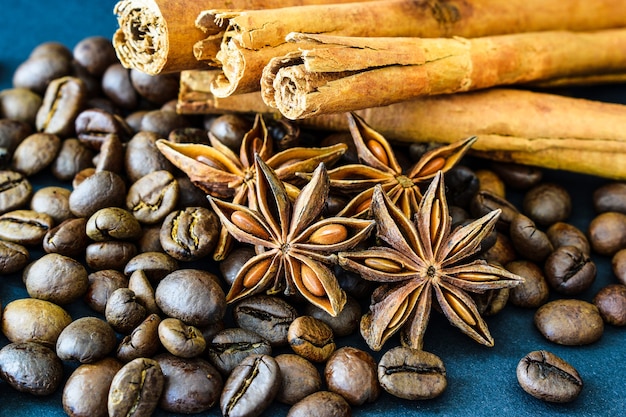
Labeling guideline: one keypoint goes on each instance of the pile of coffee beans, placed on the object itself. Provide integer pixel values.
(121, 233)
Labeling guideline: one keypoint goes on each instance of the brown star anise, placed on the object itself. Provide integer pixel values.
(425, 258)
(218, 171)
(380, 166)
(295, 244)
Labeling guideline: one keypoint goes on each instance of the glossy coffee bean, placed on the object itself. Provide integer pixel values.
(157, 89)
(72, 158)
(20, 104)
(234, 260)
(123, 312)
(607, 233)
(611, 303)
(35, 153)
(26, 227)
(117, 87)
(344, 323)
(311, 338)
(142, 156)
(528, 240)
(37, 72)
(352, 373)
(230, 129)
(86, 391)
(547, 203)
(142, 342)
(484, 202)
(95, 54)
(190, 234)
(565, 234)
(412, 374)
(518, 176)
(155, 265)
(112, 223)
(569, 322)
(321, 404)
(13, 257)
(267, 316)
(100, 190)
(230, 346)
(110, 254)
(151, 198)
(86, 340)
(546, 376)
(569, 271)
(67, 238)
(56, 278)
(101, 284)
(30, 367)
(534, 291)
(610, 197)
(162, 122)
(490, 181)
(299, 378)
(95, 126)
(180, 339)
(136, 388)
(53, 201)
(64, 99)
(34, 320)
(15, 191)
(144, 291)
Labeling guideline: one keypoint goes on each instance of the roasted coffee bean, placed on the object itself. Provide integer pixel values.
(530, 242)
(521, 177)
(86, 390)
(610, 197)
(20, 104)
(299, 378)
(189, 135)
(143, 342)
(86, 340)
(569, 322)
(569, 271)
(72, 158)
(12, 132)
(56, 278)
(53, 201)
(157, 89)
(110, 157)
(117, 87)
(266, 315)
(618, 265)
(150, 240)
(190, 234)
(144, 291)
(123, 312)
(193, 296)
(37, 72)
(112, 254)
(26, 227)
(99, 190)
(13, 257)
(352, 373)
(484, 202)
(34, 320)
(35, 153)
(155, 265)
(321, 404)
(534, 291)
(135, 389)
(191, 385)
(31, 367)
(231, 346)
(230, 129)
(180, 339)
(611, 303)
(462, 185)
(64, 98)
(67, 238)
(234, 260)
(607, 233)
(101, 286)
(491, 302)
(15, 191)
(251, 387)
(95, 54)
(565, 234)
(311, 338)
(162, 122)
(142, 156)
(113, 223)
(547, 377)
(490, 181)
(95, 126)
(547, 203)
(134, 120)
(412, 374)
(344, 323)
(151, 198)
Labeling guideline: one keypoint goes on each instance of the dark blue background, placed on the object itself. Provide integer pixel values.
(481, 380)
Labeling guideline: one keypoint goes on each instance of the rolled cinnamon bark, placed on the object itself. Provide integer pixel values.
(252, 37)
(158, 36)
(349, 73)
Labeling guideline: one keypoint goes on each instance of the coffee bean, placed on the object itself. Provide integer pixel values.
(26, 227)
(144, 291)
(352, 373)
(67, 238)
(123, 312)
(113, 223)
(142, 342)
(234, 260)
(610, 197)
(251, 387)
(37, 72)
(53, 201)
(20, 104)
(180, 339)
(95, 54)
(565, 234)
(266, 315)
(321, 404)
(156, 265)
(12, 133)
(462, 185)
(189, 135)
(35, 153)
(100, 190)
(618, 265)
(135, 389)
(86, 340)
(34, 320)
(546, 376)
(162, 122)
(311, 338)
(15, 191)
(345, 323)
(484, 202)
(117, 87)
(95, 126)
(191, 295)
(517, 176)
(569, 322)
(86, 390)
(112, 254)
(230, 129)
(534, 291)
(491, 302)
(13, 257)
(101, 285)
(611, 303)
(231, 346)
(56, 278)
(157, 89)
(547, 203)
(110, 156)
(142, 156)
(490, 182)
(151, 198)
(569, 271)
(65, 97)
(412, 374)
(607, 233)
(530, 242)
(299, 378)
(191, 385)
(72, 158)
(190, 234)
(31, 367)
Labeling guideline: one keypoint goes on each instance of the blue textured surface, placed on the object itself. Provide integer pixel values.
(481, 381)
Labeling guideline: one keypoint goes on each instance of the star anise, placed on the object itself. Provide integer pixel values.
(218, 171)
(425, 260)
(380, 166)
(295, 243)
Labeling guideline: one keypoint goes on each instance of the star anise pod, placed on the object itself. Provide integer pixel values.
(380, 166)
(221, 173)
(295, 242)
(425, 260)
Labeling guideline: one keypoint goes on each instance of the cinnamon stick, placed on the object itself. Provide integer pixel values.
(158, 36)
(252, 37)
(348, 73)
